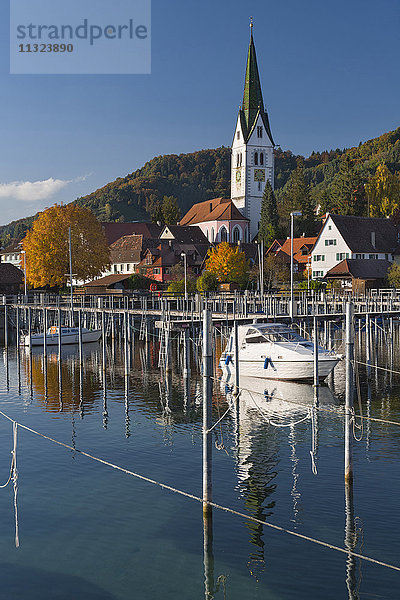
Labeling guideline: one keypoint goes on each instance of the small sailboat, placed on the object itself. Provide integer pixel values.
(276, 351)
(69, 335)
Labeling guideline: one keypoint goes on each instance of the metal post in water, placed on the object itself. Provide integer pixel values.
(316, 375)
(29, 328)
(236, 359)
(103, 345)
(348, 461)
(59, 333)
(5, 326)
(45, 333)
(368, 344)
(207, 412)
(17, 327)
(80, 337)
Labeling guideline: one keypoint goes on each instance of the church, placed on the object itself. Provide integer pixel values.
(252, 165)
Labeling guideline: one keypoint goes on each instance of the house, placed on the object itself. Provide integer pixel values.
(347, 237)
(11, 255)
(219, 220)
(125, 254)
(183, 234)
(11, 279)
(360, 275)
(159, 259)
(118, 281)
(302, 247)
(115, 231)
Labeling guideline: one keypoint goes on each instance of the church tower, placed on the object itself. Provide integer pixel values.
(252, 162)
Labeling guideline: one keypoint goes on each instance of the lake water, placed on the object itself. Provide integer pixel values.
(90, 532)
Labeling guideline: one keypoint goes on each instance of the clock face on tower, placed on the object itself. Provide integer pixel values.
(259, 175)
(238, 176)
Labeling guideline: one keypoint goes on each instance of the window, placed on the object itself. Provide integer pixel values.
(148, 259)
(236, 235)
(359, 256)
(342, 255)
(259, 131)
(223, 234)
(256, 158)
(156, 271)
(387, 257)
(259, 186)
(238, 135)
(329, 227)
(128, 268)
(212, 234)
(373, 256)
(261, 158)
(115, 269)
(318, 273)
(304, 251)
(318, 257)
(330, 242)
(237, 159)
(167, 271)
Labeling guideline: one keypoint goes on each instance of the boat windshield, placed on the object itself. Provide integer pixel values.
(272, 334)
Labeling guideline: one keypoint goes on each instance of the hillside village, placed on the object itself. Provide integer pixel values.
(344, 234)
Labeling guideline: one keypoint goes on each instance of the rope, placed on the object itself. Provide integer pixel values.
(198, 499)
(13, 459)
(312, 451)
(377, 367)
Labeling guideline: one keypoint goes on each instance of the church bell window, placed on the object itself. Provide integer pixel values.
(256, 158)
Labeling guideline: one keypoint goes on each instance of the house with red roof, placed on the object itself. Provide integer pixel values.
(219, 220)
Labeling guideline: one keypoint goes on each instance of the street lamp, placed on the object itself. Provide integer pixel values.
(24, 253)
(295, 213)
(183, 255)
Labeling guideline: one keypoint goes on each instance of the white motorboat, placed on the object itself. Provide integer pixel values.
(276, 351)
(69, 335)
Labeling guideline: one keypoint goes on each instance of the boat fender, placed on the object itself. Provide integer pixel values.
(228, 359)
(267, 362)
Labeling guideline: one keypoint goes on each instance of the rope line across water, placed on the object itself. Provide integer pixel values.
(198, 499)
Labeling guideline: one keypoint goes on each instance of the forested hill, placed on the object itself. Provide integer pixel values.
(205, 174)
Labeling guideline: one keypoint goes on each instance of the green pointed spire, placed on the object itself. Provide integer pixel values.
(252, 96)
(253, 103)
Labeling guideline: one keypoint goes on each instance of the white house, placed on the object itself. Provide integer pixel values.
(351, 237)
(11, 256)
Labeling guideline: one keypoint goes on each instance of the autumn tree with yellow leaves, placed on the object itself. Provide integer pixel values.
(383, 192)
(47, 249)
(228, 264)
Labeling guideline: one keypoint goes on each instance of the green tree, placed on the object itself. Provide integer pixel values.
(139, 282)
(393, 275)
(383, 192)
(178, 287)
(298, 197)
(171, 212)
(347, 191)
(207, 282)
(269, 218)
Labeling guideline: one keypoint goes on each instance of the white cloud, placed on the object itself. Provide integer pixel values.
(32, 191)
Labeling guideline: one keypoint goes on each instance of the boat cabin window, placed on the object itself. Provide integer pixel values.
(272, 334)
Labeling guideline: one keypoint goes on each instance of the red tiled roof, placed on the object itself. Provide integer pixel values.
(126, 249)
(298, 243)
(218, 209)
(114, 231)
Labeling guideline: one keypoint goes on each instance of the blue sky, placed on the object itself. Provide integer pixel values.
(329, 71)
